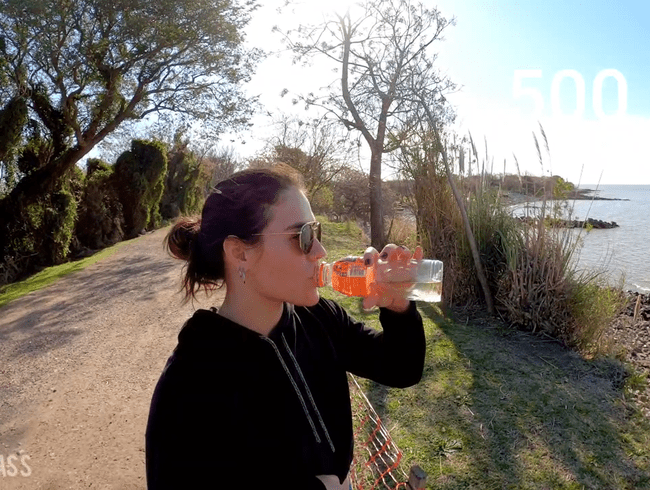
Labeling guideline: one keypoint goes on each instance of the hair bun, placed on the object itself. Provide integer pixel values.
(182, 236)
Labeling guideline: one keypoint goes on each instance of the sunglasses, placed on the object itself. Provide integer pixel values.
(307, 233)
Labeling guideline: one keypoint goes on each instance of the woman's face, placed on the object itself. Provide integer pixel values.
(281, 271)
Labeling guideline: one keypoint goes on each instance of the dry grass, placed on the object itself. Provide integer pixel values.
(402, 230)
(529, 263)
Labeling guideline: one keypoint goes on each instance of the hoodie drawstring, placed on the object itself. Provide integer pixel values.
(311, 398)
(299, 393)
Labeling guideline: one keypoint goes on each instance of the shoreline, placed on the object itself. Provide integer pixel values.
(584, 195)
(513, 198)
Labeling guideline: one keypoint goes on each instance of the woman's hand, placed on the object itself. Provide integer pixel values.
(394, 269)
(331, 482)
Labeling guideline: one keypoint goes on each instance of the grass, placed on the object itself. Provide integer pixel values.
(50, 275)
(502, 409)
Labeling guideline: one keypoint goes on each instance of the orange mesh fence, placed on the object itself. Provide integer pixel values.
(376, 464)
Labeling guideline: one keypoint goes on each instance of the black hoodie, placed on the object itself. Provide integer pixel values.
(236, 409)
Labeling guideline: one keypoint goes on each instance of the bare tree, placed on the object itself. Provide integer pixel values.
(316, 148)
(380, 53)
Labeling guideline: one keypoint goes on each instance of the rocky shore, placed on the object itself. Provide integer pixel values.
(518, 199)
(630, 334)
(567, 223)
(587, 194)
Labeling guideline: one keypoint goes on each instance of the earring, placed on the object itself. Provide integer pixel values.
(242, 274)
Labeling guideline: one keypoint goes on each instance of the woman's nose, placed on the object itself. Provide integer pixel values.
(317, 250)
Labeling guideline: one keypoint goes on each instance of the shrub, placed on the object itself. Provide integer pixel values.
(43, 234)
(100, 223)
(438, 220)
(139, 179)
(529, 263)
(351, 195)
(322, 200)
(183, 188)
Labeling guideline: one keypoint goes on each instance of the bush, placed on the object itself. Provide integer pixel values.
(351, 195)
(322, 200)
(100, 223)
(139, 178)
(42, 235)
(439, 223)
(183, 190)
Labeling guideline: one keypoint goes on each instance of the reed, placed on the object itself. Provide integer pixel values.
(529, 262)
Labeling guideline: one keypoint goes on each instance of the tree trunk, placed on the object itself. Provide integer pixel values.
(376, 211)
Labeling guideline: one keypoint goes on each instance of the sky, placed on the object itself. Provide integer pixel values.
(580, 69)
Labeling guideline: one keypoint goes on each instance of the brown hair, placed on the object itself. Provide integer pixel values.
(239, 205)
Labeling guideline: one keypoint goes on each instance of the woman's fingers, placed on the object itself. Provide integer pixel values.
(392, 252)
(393, 259)
(370, 256)
(418, 254)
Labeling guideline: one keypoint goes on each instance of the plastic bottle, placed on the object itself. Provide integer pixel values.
(421, 280)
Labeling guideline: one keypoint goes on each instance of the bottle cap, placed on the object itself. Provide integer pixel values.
(325, 275)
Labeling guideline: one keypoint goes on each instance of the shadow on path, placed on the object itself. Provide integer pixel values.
(49, 318)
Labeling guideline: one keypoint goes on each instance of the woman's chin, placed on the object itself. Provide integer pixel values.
(310, 299)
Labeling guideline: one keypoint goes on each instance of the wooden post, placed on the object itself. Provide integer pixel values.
(417, 478)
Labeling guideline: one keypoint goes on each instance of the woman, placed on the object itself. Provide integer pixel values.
(255, 395)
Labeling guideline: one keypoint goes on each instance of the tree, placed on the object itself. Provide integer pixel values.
(100, 220)
(85, 67)
(351, 195)
(184, 182)
(216, 165)
(382, 53)
(315, 148)
(13, 118)
(139, 181)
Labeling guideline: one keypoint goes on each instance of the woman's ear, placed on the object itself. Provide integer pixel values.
(234, 249)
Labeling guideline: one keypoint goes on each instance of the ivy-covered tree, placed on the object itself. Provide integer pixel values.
(183, 192)
(85, 67)
(100, 221)
(13, 118)
(139, 179)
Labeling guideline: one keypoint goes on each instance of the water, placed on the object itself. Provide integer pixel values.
(419, 281)
(431, 292)
(621, 252)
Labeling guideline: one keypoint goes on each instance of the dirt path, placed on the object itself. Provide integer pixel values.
(78, 364)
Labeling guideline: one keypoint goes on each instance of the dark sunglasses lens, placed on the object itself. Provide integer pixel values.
(306, 238)
(307, 233)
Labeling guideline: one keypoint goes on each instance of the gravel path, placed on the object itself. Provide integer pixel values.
(78, 364)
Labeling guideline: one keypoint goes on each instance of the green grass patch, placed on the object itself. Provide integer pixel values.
(50, 275)
(502, 409)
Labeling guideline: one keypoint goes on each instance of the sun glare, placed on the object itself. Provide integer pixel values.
(325, 7)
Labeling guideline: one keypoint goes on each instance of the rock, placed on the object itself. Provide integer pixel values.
(564, 223)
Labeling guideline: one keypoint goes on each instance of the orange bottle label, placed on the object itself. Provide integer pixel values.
(351, 277)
